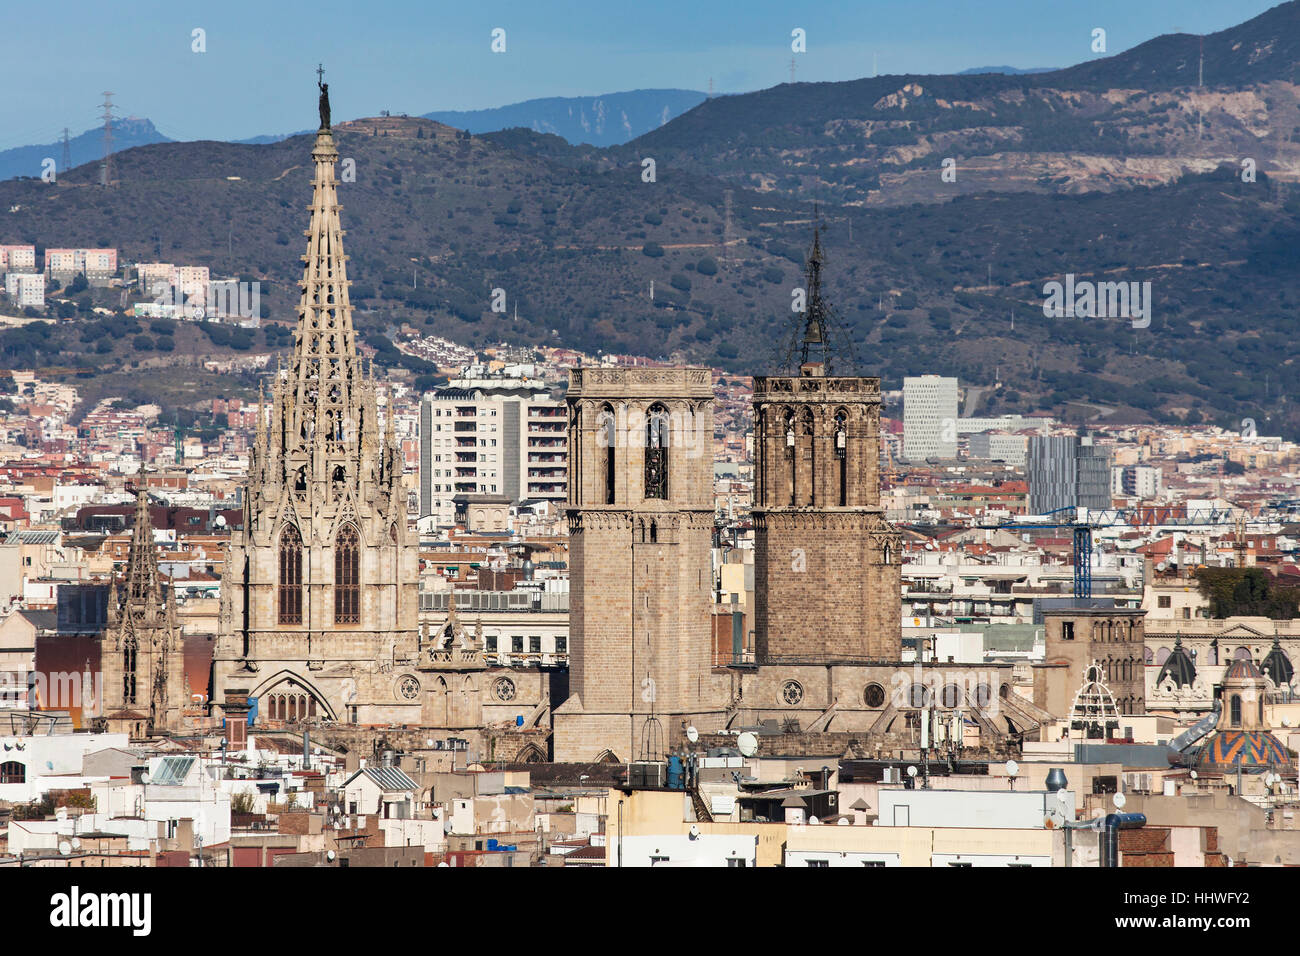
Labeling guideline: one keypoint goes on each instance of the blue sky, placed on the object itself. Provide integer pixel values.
(415, 56)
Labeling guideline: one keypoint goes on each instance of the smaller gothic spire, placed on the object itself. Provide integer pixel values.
(142, 560)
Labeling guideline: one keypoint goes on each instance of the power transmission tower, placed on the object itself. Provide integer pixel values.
(108, 138)
(67, 153)
(726, 227)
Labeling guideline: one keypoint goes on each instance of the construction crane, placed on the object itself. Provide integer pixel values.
(1082, 521)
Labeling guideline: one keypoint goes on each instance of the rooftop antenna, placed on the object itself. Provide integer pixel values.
(108, 138)
(67, 153)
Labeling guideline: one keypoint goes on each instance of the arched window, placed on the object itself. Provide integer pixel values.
(605, 447)
(656, 453)
(290, 576)
(347, 577)
(789, 450)
(806, 463)
(128, 671)
(654, 532)
(1236, 710)
(842, 454)
(11, 771)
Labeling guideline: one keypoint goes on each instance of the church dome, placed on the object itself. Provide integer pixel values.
(1242, 668)
(1247, 750)
(1178, 667)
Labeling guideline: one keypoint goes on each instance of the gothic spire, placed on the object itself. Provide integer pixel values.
(813, 347)
(809, 341)
(142, 561)
(325, 376)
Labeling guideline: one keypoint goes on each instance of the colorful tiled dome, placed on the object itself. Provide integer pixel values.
(1229, 750)
(1243, 668)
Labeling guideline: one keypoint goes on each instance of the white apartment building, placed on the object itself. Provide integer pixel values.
(929, 417)
(100, 262)
(1140, 481)
(17, 258)
(491, 435)
(997, 446)
(25, 288)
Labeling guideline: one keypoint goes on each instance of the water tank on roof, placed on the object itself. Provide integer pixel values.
(675, 775)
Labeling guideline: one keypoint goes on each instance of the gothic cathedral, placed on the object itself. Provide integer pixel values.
(319, 600)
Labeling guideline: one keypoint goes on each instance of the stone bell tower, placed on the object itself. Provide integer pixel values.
(827, 567)
(640, 517)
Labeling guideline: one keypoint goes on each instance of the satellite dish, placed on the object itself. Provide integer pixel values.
(76, 843)
(1119, 800)
(1013, 768)
(1193, 774)
(429, 742)
(1286, 721)
(911, 771)
(329, 855)
(65, 848)
(695, 831)
(221, 521)
(747, 743)
(842, 822)
(61, 814)
(692, 734)
(146, 777)
(813, 821)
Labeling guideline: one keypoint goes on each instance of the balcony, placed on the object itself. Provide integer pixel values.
(464, 427)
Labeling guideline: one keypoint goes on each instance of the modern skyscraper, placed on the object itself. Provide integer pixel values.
(929, 417)
(1067, 471)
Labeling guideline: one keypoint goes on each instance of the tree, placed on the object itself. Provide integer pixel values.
(1249, 592)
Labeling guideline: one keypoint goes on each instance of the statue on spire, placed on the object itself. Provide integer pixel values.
(324, 97)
